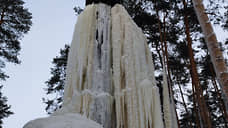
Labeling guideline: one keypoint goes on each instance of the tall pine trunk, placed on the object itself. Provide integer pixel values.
(214, 50)
(221, 102)
(164, 62)
(2, 15)
(168, 69)
(204, 114)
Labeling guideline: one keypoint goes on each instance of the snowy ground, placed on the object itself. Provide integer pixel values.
(63, 121)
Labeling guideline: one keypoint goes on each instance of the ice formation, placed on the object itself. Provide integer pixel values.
(110, 73)
(168, 102)
(136, 95)
(63, 121)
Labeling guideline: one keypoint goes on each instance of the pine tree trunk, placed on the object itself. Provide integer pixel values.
(161, 40)
(2, 16)
(168, 70)
(182, 97)
(214, 50)
(195, 110)
(221, 103)
(164, 61)
(204, 114)
(185, 105)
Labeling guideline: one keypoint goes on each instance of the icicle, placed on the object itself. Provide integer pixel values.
(168, 103)
(89, 64)
(133, 75)
(110, 62)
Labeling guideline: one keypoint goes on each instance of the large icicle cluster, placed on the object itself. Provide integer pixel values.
(136, 95)
(88, 88)
(110, 73)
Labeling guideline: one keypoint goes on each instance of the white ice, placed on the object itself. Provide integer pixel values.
(63, 121)
(110, 74)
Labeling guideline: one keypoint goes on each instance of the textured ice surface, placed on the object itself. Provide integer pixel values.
(136, 95)
(110, 74)
(168, 103)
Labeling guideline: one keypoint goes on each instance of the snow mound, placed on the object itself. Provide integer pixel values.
(63, 121)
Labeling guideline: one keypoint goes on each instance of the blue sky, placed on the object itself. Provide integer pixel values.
(53, 23)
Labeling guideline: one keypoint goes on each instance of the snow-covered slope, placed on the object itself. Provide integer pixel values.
(110, 74)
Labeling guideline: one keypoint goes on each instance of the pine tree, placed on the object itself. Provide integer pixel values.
(203, 110)
(4, 108)
(15, 21)
(214, 50)
(56, 82)
(225, 25)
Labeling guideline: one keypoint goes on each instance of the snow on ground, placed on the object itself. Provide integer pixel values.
(63, 121)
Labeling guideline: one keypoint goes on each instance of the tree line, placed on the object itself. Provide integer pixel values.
(15, 21)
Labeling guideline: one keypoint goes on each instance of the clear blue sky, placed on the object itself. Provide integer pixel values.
(53, 23)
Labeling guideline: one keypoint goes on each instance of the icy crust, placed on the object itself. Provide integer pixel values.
(88, 88)
(63, 121)
(136, 95)
(168, 103)
(111, 56)
(110, 74)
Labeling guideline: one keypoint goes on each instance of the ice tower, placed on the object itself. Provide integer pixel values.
(110, 76)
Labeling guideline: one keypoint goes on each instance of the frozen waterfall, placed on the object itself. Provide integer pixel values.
(110, 76)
